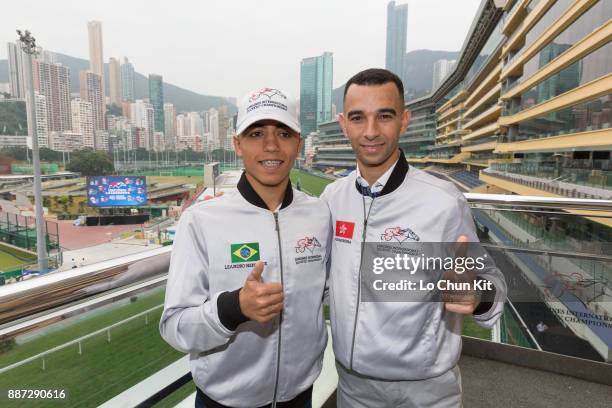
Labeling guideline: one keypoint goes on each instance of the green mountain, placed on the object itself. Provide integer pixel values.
(183, 99)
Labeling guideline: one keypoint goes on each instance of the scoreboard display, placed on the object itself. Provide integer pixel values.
(116, 191)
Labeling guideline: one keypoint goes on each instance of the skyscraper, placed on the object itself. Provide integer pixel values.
(91, 91)
(213, 126)
(141, 114)
(222, 121)
(53, 81)
(397, 24)
(82, 121)
(441, 69)
(42, 129)
(170, 125)
(316, 78)
(156, 97)
(127, 81)
(114, 77)
(196, 124)
(16, 71)
(96, 54)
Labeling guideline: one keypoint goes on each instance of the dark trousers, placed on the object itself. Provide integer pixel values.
(304, 400)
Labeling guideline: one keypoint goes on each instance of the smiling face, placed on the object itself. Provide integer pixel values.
(373, 120)
(268, 149)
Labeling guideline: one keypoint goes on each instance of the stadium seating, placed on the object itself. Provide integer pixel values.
(468, 178)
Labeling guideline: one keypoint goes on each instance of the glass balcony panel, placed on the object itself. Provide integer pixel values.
(557, 262)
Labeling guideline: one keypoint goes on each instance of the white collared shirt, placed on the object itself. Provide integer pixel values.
(378, 184)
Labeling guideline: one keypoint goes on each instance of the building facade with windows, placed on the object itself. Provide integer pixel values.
(316, 79)
(528, 100)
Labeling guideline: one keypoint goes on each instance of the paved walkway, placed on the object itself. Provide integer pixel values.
(488, 383)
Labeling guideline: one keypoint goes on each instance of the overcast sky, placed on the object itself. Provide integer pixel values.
(230, 47)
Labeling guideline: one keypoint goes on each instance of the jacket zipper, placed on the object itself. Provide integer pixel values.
(280, 319)
(363, 238)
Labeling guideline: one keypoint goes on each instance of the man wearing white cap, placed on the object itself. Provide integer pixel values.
(247, 274)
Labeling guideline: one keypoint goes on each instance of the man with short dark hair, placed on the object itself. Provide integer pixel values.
(395, 354)
(247, 274)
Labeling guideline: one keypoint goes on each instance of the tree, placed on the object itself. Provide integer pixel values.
(49, 155)
(91, 163)
(63, 201)
(114, 110)
(220, 154)
(17, 153)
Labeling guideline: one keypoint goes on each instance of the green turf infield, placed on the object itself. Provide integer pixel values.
(104, 369)
(309, 183)
(8, 262)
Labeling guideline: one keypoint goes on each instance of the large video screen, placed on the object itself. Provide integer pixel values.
(116, 191)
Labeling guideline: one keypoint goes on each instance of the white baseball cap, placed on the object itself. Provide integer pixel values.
(267, 103)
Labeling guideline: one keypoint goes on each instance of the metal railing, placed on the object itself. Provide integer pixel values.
(40, 304)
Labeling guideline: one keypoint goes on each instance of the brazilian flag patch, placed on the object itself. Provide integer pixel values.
(245, 252)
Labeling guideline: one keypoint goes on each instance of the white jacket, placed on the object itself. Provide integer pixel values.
(397, 340)
(217, 243)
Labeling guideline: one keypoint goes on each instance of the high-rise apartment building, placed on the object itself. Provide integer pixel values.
(180, 125)
(142, 116)
(91, 91)
(196, 124)
(213, 126)
(156, 97)
(316, 79)
(96, 53)
(66, 141)
(83, 122)
(16, 71)
(397, 25)
(42, 128)
(159, 143)
(189, 131)
(101, 139)
(53, 81)
(127, 81)
(170, 125)
(441, 69)
(223, 128)
(114, 78)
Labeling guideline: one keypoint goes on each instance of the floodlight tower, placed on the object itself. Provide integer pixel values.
(28, 45)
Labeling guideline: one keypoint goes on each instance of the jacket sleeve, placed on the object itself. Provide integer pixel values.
(464, 225)
(190, 321)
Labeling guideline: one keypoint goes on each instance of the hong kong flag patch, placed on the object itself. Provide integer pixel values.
(344, 229)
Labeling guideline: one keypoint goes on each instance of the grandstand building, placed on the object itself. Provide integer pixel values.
(526, 111)
(527, 108)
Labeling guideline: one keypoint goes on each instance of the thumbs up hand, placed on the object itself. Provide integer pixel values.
(461, 301)
(260, 301)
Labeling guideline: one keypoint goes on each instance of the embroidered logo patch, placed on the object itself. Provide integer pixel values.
(399, 234)
(345, 229)
(245, 252)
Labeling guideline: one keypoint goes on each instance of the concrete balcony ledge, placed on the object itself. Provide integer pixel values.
(500, 375)
(493, 375)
